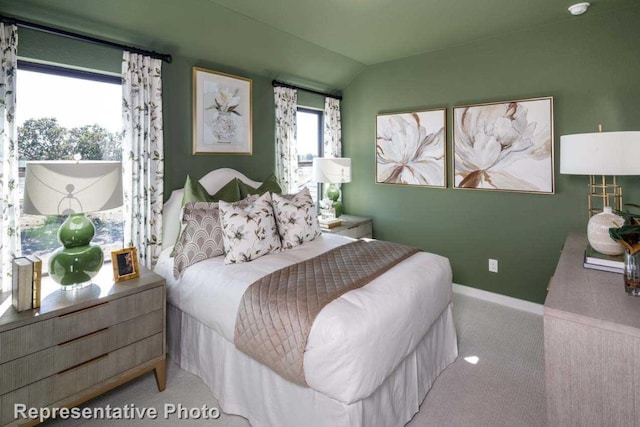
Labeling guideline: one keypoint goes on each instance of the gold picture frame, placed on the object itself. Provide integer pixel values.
(125, 264)
(222, 113)
(504, 146)
(422, 134)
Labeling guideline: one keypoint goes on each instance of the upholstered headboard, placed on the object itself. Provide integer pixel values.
(212, 182)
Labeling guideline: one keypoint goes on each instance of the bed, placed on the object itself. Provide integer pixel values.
(371, 356)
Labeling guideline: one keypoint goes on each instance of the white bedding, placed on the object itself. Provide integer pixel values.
(356, 341)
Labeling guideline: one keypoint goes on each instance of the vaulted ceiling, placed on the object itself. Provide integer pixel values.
(323, 43)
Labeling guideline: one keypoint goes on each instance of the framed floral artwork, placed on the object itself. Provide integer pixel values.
(505, 146)
(222, 120)
(411, 148)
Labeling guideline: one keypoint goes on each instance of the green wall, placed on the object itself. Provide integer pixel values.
(590, 66)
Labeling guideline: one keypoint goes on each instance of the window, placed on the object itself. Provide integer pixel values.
(59, 113)
(309, 139)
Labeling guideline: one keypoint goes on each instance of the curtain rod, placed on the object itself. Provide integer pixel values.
(76, 36)
(282, 84)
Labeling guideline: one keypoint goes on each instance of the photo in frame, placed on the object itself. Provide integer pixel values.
(504, 146)
(411, 148)
(222, 113)
(125, 264)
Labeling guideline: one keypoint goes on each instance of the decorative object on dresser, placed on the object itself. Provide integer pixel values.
(629, 236)
(329, 223)
(73, 188)
(332, 170)
(591, 340)
(80, 344)
(22, 289)
(125, 264)
(505, 146)
(601, 155)
(411, 148)
(356, 227)
(222, 118)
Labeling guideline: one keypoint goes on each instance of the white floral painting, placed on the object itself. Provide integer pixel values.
(505, 146)
(411, 148)
(222, 121)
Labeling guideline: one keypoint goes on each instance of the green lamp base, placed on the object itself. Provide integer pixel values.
(78, 261)
(333, 193)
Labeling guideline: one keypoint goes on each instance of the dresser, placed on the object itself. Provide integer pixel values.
(591, 345)
(81, 343)
(356, 227)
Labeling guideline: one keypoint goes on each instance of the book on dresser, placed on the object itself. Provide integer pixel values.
(327, 224)
(36, 283)
(597, 261)
(22, 278)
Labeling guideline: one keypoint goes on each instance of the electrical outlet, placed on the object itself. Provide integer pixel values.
(493, 265)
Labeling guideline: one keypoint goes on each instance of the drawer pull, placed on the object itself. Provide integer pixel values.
(73, 313)
(100, 331)
(95, 359)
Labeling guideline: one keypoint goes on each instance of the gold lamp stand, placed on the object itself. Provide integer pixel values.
(603, 193)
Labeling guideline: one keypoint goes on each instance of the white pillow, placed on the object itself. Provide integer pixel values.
(296, 218)
(248, 229)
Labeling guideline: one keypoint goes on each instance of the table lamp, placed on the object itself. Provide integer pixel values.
(601, 155)
(73, 188)
(332, 171)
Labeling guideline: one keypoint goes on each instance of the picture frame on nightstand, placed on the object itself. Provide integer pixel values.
(125, 264)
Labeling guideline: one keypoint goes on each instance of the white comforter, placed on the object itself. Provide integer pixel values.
(356, 341)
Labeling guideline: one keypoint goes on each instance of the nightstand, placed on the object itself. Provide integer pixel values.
(81, 343)
(356, 227)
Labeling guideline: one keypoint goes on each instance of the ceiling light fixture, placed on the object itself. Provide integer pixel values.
(579, 8)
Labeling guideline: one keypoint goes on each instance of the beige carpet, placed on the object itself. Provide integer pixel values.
(505, 387)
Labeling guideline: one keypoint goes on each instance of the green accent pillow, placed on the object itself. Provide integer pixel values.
(195, 192)
(269, 185)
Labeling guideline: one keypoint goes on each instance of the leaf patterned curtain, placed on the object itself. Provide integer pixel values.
(332, 128)
(142, 156)
(9, 202)
(286, 102)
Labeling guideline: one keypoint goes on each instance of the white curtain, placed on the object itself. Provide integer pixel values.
(9, 202)
(142, 156)
(286, 102)
(332, 128)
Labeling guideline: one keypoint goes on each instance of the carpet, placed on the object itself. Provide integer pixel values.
(497, 380)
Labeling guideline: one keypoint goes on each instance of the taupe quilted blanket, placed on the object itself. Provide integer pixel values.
(276, 312)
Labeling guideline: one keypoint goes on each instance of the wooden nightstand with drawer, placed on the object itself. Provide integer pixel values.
(81, 343)
(356, 227)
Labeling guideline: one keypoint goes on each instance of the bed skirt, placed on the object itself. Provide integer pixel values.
(247, 388)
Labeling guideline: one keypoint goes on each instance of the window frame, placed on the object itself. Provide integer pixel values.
(68, 71)
(320, 115)
(75, 73)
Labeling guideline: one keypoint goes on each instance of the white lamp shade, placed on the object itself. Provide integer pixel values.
(601, 153)
(332, 169)
(65, 187)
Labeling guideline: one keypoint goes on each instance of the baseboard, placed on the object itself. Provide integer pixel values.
(507, 301)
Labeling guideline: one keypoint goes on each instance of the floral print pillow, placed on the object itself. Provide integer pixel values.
(248, 229)
(296, 218)
(201, 236)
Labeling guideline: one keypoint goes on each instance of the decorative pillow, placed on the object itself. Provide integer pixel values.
(296, 218)
(195, 192)
(248, 229)
(270, 185)
(201, 237)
